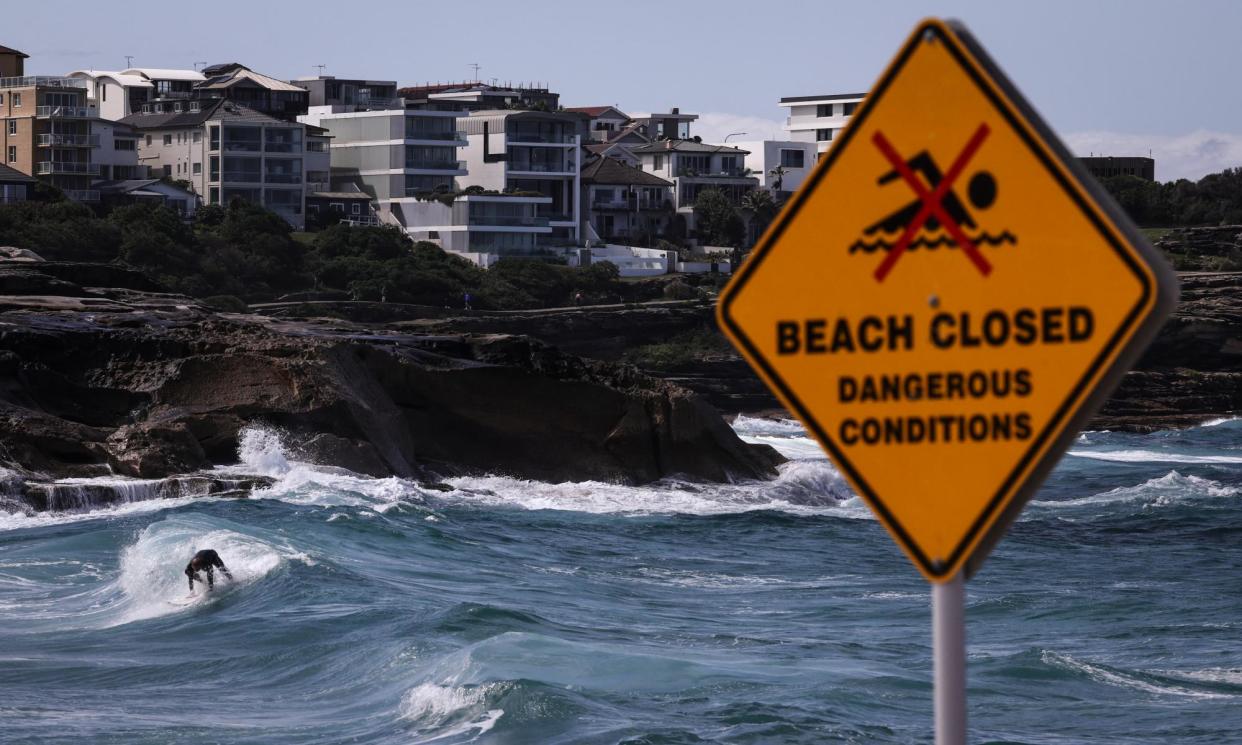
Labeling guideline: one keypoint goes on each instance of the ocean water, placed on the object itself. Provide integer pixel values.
(507, 611)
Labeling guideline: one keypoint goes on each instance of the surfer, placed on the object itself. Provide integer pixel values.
(207, 560)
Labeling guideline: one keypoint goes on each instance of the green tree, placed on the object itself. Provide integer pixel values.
(717, 221)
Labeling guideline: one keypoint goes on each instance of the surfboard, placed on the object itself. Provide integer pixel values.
(182, 602)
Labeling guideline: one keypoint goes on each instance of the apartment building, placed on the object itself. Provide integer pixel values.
(408, 161)
(392, 154)
(780, 165)
(532, 152)
(116, 151)
(227, 151)
(116, 95)
(476, 96)
(819, 119)
(694, 166)
(45, 132)
(235, 82)
(606, 122)
(672, 125)
(329, 90)
(624, 203)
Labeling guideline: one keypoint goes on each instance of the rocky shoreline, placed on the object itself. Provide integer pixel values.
(101, 374)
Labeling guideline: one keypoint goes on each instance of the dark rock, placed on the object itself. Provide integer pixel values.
(151, 385)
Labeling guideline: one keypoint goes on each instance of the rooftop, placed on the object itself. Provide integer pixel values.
(211, 110)
(12, 174)
(829, 97)
(131, 81)
(157, 73)
(686, 146)
(10, 50)
(605, 170)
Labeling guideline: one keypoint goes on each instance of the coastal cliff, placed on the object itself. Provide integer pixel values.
(100, 372)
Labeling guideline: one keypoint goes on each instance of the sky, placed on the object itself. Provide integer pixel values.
(1117, 77)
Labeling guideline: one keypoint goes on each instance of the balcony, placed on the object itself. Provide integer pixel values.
(243, 177)
(438, 136)
(537, 139)
(248, 146)
(283, 178)
(172, 95)
(56, 168)
(82, 195)
(57, 140)
(63, 112)
(718, 173)
(557, 168)
(509, 222)
(48, 81)
(621, 204)
(436, 165)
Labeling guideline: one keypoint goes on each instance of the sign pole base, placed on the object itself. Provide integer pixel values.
(949, 656)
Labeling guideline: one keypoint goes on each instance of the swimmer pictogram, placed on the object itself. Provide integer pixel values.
(933, 209)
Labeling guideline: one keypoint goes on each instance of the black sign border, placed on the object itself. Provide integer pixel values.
(951, 35)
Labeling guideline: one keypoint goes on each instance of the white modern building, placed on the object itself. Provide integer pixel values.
(394, 154)
(534, 153)
(116, 95)
(116, 151)
(819, 119)
(780, 165)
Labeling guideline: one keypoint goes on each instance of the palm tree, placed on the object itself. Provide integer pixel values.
(778, 176)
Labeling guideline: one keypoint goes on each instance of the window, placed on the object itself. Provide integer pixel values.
(728, 163)
(213, 195)
(17, 100)
(12, 126)
(356, 208)
(196, 169)
(1, 98)
(197, 137)
(215, 168)
(167, 139)
(214, 134)
(167, 170)
(12, 153)
(148, 140)
(658, 165)
(338, 206)
(123, 144)
(848, 108)
(823, 134)
(823, 110)
(793, 159)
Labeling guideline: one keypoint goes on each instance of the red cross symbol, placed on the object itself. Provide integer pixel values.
(932, 203)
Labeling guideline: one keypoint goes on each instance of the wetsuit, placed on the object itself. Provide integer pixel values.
(205, 560)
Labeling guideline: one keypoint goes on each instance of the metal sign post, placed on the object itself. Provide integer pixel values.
(949, 660)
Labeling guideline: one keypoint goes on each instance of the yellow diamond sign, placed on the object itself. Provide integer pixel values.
(946, 300)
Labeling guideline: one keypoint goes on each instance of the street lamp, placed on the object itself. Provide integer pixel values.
(734, 134)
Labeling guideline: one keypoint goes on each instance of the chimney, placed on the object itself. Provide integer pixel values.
(675, 110)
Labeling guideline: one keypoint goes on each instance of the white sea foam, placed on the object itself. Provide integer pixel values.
(1133, 681)
(1223, 675)
(801, 488)
(443, 711)
(1171, 488)
(1154, 456)
(19, 520)
(1222, 420)
(151, 572)
(262, 451)
(745, 425)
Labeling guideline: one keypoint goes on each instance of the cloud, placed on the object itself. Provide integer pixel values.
(714, 126)
(1192, 155)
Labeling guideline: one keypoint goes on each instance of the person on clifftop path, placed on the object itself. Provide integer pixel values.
(465, 301)
(207, 560)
